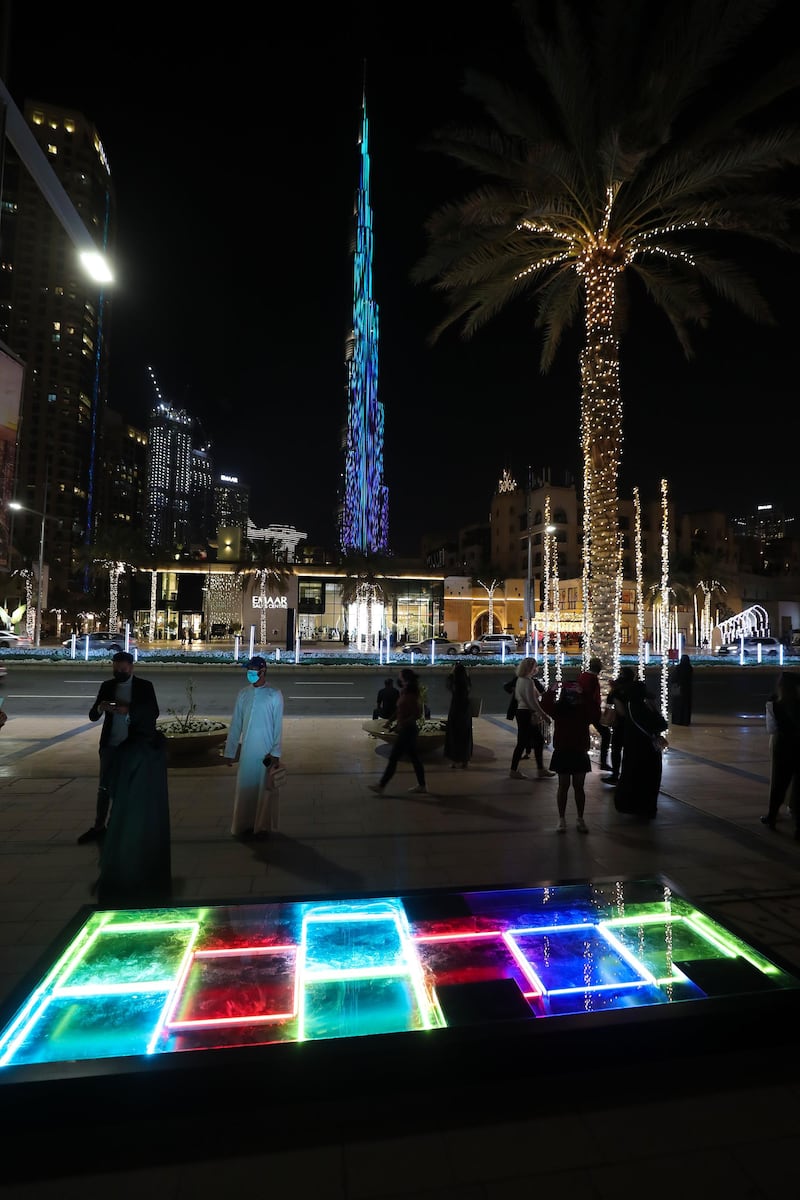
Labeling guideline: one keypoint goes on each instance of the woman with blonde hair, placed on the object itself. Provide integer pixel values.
(531, 720)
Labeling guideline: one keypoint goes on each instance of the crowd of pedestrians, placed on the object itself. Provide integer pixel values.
(131, 823)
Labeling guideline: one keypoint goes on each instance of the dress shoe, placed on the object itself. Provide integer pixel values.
(95, 834)
(768, 821)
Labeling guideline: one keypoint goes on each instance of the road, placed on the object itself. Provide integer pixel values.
(725, 689)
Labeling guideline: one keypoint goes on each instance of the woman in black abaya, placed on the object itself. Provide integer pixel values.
(680, 691)
(135, 864)
(640, 777)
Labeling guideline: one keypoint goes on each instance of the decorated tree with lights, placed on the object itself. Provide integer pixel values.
(636, 157)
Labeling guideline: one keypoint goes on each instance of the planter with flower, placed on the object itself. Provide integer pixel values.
(431, 729)
(186, 733)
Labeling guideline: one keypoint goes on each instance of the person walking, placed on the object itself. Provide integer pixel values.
(680, 691)
(531, 720)
(574, 709)
(256, 725)
(458, 735)
(643, 726)
(784, 750)
(386, 702)
(121, 701)
(409, 710)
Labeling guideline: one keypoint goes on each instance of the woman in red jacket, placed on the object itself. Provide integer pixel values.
(573, 710)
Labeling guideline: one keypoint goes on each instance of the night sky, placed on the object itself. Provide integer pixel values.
(233, 148)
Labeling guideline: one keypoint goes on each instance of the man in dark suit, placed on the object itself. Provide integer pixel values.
(121, 701)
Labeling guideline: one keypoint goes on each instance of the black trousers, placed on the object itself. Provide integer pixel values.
(529, 738)
(405, 744)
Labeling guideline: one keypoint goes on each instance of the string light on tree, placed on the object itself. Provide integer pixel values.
(637, 519)
(664, 598)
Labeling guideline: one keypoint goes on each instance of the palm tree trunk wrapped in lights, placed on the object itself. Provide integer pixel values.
(637, 512)
(630, 158)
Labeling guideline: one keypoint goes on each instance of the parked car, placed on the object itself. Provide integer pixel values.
(443, 645)
(492, 643)
(102, 640)
(770, 647)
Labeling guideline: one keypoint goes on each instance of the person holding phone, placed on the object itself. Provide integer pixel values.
(120, 700)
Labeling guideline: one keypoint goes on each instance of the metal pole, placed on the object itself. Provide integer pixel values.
(38, 638)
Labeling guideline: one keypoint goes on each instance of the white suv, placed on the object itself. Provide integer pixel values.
(492, 643)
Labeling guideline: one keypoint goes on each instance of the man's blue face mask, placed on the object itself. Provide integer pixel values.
(252, 676)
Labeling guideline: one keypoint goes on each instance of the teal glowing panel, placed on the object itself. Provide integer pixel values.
(148, 983)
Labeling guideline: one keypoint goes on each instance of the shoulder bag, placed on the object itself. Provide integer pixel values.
(658, 740)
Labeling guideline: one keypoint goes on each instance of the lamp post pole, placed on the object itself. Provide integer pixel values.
(38, 638)
(15, 504)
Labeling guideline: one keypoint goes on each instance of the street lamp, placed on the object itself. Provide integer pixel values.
(15, 504)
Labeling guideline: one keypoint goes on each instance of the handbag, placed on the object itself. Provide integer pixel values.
(608, 716)
(658, 740)
(512, 709)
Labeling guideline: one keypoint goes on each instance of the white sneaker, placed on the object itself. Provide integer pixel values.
(419, 790)
(543, 773)
(561, 827)
(516, 775)
(581, 826)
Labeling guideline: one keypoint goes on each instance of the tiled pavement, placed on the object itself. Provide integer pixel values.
(710, 1128)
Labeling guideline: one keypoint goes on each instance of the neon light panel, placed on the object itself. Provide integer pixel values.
(365, 514)
(143, 983)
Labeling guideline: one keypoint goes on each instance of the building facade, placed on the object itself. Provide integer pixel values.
(58, 323)
(169, 484)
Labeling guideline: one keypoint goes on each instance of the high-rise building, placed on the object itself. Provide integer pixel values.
(201, 499)
(231, 503)
(57, 321)
(364, 511)
(170, 477)
(122, 490)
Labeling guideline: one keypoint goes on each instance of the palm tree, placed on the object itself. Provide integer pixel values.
(365, 584)
(269, 561)
(621, 161)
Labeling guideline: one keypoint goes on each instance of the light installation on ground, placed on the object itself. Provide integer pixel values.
(151, 982)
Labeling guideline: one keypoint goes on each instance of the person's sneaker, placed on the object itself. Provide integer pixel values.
(419, 790)
(377, 788)
(768, 821)
(543, 773)
(95, 834)
(516, 775)
(581, 825)
(561, 827)
(612, 779)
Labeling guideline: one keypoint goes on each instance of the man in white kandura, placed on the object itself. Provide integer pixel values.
(257, 723)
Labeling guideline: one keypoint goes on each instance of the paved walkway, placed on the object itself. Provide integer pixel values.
(475, 828)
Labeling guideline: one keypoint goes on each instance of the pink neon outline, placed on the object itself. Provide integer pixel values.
(217, 1022)
(456, 937)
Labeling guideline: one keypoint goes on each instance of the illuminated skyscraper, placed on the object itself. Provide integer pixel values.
(170, 477)
(364, 522)
(57, 322)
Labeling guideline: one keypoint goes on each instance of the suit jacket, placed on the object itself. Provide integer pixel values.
(143, 710)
